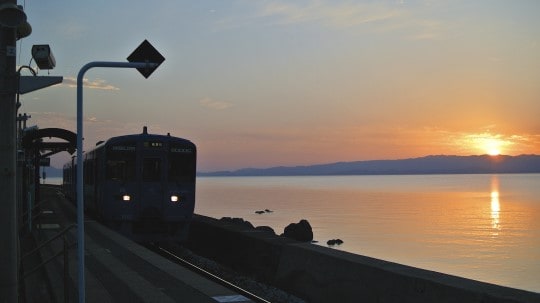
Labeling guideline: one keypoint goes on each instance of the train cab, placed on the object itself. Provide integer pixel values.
(142, 185)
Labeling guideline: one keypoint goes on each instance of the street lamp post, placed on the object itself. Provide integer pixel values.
(80, 202)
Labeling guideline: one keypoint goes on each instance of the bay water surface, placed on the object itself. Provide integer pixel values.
(483, 227)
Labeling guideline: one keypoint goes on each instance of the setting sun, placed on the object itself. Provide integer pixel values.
(493, 143)
(492, 146)
(494, 152)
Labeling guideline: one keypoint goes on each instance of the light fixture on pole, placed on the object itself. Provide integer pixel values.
(13, 16)
(43, 56)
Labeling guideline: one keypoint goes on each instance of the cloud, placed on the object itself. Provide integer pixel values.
(214, 104)
(52, 119)
(95, 84)
(413, 21)
(330, 13)
(423, 29)
(423, 36)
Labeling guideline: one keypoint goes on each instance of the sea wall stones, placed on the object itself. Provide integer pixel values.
(320, 274)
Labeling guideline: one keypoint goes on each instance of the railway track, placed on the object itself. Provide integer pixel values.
(170, 254)
(249, 291)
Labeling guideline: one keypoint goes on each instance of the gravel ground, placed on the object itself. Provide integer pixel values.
(264, 291)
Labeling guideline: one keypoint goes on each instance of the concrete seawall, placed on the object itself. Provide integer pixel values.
(321, 274)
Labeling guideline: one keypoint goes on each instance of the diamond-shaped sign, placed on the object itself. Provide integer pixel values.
(146, 53)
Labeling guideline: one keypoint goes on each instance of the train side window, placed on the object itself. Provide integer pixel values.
(97, 170)
(89, 172)
(151, 169)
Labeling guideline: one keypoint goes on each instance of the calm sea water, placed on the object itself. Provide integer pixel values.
(483, 227)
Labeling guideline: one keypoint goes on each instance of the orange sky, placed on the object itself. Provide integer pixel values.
(269, 83)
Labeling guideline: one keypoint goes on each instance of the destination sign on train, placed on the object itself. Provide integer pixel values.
(154, 144)
(181, 150)
(120, 147)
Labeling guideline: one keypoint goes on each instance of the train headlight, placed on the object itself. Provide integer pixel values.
(126, 198)
(175, 198)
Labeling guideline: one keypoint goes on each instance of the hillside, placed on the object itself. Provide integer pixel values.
(483, 164)
(52, 172)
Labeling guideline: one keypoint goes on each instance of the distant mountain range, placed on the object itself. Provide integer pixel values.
(416, 166)
(52, 172)
(483, 164)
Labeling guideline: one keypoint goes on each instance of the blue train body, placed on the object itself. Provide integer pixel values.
(142, 185)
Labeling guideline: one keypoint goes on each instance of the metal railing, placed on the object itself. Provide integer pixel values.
(30, 216)
(64, 252)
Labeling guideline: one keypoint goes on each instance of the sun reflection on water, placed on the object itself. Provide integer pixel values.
(495, 204)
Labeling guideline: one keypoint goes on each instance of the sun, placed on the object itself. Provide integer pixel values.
(492, 146)
(494, 152)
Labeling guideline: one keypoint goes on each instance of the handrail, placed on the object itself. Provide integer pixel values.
(25, 214)
(26, 274)
(25, 219)
(64, 252)
(65, 230)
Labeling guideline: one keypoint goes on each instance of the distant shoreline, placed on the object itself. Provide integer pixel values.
(210, 175)
(429, 165)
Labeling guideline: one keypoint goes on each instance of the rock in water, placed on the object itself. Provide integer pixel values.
(334, 242)
(300, 231)
(238, 222)
(266, 229)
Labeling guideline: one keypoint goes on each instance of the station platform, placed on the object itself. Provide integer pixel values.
(117, 269)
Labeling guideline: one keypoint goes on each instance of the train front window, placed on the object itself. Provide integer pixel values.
(182, 164)
(151, 169)
(121, 163)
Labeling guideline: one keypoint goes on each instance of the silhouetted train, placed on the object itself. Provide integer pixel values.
(142, 185)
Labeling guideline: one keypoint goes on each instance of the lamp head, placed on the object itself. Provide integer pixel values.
(24, 30)
(11, 15)
(43, 56)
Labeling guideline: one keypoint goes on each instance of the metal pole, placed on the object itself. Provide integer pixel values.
(80, 202)
(66, 269)
(9, 261)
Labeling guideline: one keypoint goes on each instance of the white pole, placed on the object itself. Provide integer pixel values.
(80, 202)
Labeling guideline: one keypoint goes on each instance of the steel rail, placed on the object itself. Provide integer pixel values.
(211, 276)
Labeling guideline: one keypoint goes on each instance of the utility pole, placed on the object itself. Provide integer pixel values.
(11, 18)
(8, 219)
